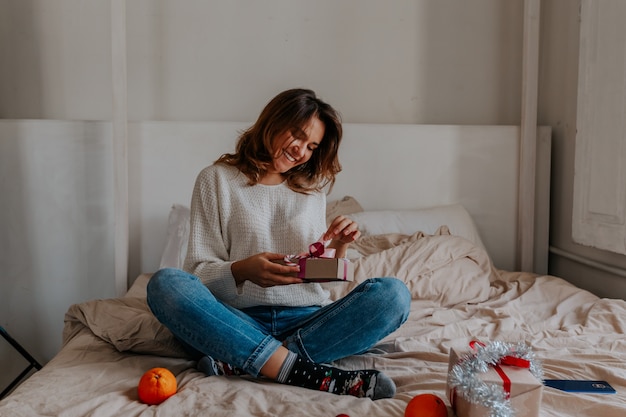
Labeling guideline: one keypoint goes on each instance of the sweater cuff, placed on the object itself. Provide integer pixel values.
(225, 287)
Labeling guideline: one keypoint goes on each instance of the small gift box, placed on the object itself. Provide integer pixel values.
(320, 264)
(326, 269)
(494, 380)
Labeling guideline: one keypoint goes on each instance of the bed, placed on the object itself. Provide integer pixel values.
(439, 210)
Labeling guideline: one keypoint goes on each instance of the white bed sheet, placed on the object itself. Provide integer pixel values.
(458, 297)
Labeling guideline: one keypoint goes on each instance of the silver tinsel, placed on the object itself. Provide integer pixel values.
(463, 376)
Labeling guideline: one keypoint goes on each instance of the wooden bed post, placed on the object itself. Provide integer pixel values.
(528, 137)
(120, 143)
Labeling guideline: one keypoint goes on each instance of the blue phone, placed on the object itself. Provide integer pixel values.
(581, 386)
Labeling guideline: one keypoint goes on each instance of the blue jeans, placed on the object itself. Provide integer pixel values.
(247, 338)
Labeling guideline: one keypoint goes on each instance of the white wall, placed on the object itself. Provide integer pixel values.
(411, 61)
(400, 61)
(55, 59)
(558, 95)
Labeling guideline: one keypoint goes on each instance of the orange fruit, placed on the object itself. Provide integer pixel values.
(426, 405)
(156, 386)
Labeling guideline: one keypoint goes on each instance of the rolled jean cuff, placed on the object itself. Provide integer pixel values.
(294, 344)
(261, 355)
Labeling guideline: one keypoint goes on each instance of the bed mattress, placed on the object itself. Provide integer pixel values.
(458, 296)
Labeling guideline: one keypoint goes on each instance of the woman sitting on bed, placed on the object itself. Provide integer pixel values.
(242, 312)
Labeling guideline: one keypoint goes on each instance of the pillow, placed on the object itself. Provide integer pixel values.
(347, 205)
(173, 255)
(426, 220)
(126, 323)
(443, 269)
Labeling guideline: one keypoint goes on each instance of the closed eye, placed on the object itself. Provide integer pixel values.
(300, 135)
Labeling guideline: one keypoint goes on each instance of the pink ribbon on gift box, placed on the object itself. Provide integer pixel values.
(302, 272)
(316, 250)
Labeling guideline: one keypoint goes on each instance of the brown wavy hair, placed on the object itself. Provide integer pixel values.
(289, 110)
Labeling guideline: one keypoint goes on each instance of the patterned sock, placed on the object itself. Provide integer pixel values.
(212, 367)
(301, 372)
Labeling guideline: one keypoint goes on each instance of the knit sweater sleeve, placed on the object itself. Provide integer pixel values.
(207, 253)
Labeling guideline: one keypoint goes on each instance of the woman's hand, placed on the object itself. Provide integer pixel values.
(342, 231)
(261, 270)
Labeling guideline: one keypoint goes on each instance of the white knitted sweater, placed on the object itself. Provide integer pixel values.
(231, 220)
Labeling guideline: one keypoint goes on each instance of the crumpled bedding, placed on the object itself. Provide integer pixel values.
(458, 296)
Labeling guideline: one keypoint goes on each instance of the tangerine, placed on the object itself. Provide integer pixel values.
(426, 405)
(156, 386)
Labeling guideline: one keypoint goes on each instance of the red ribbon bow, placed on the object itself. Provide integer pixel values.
(316, 250)
(506, 361)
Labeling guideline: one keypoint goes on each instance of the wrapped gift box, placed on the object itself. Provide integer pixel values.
(322, 269)
(524, 388)
(326, 269)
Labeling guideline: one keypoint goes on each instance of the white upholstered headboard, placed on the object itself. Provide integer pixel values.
(384, 167)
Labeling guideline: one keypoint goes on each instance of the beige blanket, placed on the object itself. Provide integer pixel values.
(458, 296)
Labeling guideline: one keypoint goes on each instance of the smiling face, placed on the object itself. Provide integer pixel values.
(294, 147)
(295, 140)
